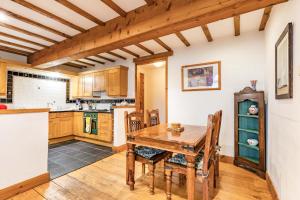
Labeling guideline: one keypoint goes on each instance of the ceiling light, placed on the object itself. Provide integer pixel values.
(3, 17)
(159, 64)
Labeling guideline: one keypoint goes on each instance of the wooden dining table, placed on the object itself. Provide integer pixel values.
(189, 142)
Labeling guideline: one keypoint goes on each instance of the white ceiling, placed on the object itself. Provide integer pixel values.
(195, 36)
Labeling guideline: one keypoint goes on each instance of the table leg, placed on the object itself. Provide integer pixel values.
(190, 177)
(130, 165)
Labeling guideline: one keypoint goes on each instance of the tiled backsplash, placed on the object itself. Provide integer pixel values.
(35, 90)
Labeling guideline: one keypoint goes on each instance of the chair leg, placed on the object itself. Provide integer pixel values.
(205, 189)
(127, 175)
(143, 169)
(217, 171)
(169, 183)
(151, 174)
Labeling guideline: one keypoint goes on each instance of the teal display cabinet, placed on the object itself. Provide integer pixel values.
(250, 126)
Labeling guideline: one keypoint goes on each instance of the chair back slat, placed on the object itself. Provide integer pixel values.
(133, 121)
(153, 117)
(218, 121)
(209, 142)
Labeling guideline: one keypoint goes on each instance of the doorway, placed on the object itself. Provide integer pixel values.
(152, 88)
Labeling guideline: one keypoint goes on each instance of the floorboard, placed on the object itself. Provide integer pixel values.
(105, 180)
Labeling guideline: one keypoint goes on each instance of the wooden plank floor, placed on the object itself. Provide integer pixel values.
(105, 180)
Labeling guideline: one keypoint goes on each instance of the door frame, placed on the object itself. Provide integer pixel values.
(166, 80)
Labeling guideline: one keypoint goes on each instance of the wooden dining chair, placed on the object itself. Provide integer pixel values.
(153, 117)
(203, 164)
(145, 155)
(218, 121)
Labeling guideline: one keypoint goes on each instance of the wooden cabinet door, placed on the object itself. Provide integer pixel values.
(113, 82)
(105, 127)
(78, 124)
(66, 126)
(54, 129)
(3, 79)
(88, 85)
(99, 82)
(80, 86)
(74, 87)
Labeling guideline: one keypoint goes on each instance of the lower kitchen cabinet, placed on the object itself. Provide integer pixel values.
(60, 125)
(78, 124)
(105, 127)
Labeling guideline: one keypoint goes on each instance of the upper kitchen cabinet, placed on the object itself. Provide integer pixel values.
(88, 85)
(99, 82)
(3, 79)
(117, 82)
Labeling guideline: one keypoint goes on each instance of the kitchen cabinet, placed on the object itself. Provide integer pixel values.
(78, 124)
(60, 125)
(88, 85)
(3, 79)
(99, 81)
(105, 127)
(117, 83)
(74, 85)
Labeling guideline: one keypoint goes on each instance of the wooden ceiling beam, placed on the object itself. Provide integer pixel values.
(14, 28)
(48, 14)
(75, 65)
(129, 52)
(237, 25)
(115, 7)
(22, 39)
(145, 23)
(14, 51)
(116, 55)
(152, 58)
(183, 39)
(150, 2)
(265, 18)
(81, 12)
(145, 49)
(105, 58)
(96, 61)
(85, 63)
(18, 45)
(34, 23)
(161, 43)
(207, 33)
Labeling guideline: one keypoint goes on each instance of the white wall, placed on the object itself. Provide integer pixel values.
(24, 147)
(283, 161)
(242, 60)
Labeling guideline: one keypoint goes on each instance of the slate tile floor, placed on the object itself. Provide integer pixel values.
(66, 157)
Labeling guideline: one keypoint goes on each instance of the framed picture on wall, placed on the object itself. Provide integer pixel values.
(284, 64)
(203, 76)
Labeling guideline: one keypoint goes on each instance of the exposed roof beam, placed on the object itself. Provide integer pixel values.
(96, 61)
(80, 11)
(85, 63)
(150, 2)
(18, 45)
(129, 52)
(145, 23)
(75, 65)
(115, 7)
(48, 14)
(14, 51)
(237, 25)
(27, 32)
(21, 39)
(152, 58)
(34, 23)
(145, 48)
(161, 43)
(183, 39)
(116, 55)
(207, 33)
(105, 58)
(265, 18)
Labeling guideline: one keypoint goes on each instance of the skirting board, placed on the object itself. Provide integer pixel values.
(24, 186)
(119, 148)
(226, 159)
(93, 141)
(271, 187)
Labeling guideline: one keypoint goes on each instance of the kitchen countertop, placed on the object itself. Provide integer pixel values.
(22, 111)
(94, 111)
